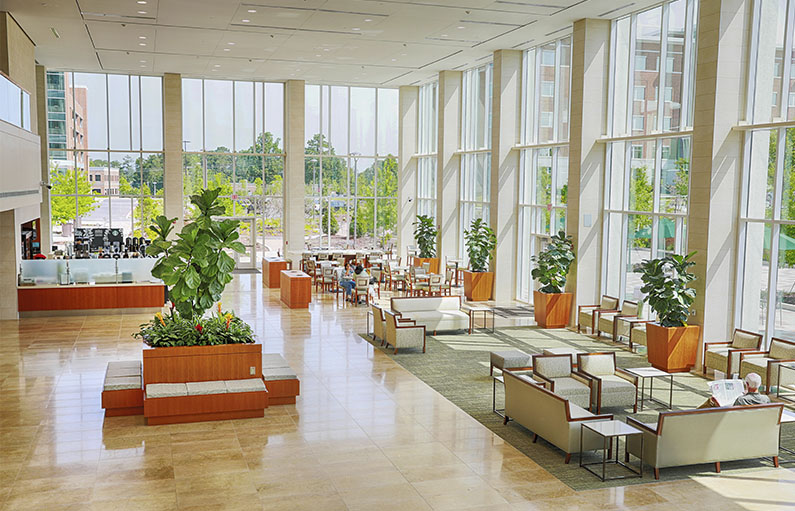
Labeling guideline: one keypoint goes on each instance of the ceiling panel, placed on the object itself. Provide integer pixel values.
(122, 36)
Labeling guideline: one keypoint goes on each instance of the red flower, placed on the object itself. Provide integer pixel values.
(199, 328)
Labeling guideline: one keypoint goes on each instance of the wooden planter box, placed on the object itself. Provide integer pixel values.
(202, 363)
(552, 310)
(478, 286)
(433, 260)
(672, 349)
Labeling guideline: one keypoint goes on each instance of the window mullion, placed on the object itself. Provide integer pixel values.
(630, 99)
(662, 69)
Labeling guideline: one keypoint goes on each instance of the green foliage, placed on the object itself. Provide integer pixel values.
(641, 198)
(425, 235)
(174, 330)
(325, 215)
(195, 266)
(552, 264)
(67, 182)
(665, 282)
(480, 242)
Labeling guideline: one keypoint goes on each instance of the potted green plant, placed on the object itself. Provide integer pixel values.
(552, 307)
(425, 233)
(672, 344)
(195, 267)
(480, 243)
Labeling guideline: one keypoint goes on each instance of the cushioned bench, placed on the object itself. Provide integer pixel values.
(435, 313)
(281, 381)
(171, 403)
(122, 392)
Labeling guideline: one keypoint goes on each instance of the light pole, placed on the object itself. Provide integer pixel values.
(355, 194)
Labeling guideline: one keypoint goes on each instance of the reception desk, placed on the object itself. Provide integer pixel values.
(271, 271)
(296, 289)
(85, 297)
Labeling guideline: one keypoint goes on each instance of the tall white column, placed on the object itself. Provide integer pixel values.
(505, 125)
(716, 168)
(172, 146)
(589, 73)
(407, 177)
(294, 169)
(448, 163)
(45, 217)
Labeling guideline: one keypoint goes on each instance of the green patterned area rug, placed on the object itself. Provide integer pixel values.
(457, 366)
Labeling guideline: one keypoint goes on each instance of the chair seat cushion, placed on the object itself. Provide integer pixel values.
(122, 383)
(616, 384)
(248, 385)
(201, 388)
(157, 390)
(124, 368)
(272, 360)
(570, 386)
(716, 358)
(278, 373)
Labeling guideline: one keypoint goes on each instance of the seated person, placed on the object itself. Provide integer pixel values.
(348, 281)
(751, 397)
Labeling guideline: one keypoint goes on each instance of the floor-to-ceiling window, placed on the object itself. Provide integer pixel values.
(232, 137)
(766, 269)
(105, 141)
(544, 151)
(475, 148)
(351, 166)
(650, 109)
(427, 120)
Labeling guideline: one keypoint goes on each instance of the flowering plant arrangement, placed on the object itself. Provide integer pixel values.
(172, 329)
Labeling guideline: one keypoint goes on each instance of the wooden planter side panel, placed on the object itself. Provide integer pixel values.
(282, 392)
(672, 350)
(433, 260)
(271, 269)
(172, 410)
(118, 403)
(202, 363)
(478, 286)
(552, 310)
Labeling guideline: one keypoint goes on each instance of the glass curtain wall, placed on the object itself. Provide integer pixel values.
(544, 151)
(105, 141)
(232, 138)
(351, 166)
(766, 269)
(427, 139)
(475, 175)
(650, 112)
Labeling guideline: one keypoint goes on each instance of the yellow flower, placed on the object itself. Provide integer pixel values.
(219, 308)
(159, 316)
(228, 316)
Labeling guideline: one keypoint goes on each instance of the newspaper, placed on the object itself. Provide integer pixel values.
(726, 392)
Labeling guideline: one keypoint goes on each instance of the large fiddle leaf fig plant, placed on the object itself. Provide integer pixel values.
(665, 282)
(480, 242)
(425, 235)
(552, 264)
(195, 266)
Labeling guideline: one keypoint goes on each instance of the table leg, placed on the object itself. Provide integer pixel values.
(671, 394)
(604, 457)
(651, 389)
(642, 391)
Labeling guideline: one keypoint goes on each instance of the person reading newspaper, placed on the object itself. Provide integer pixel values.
(724, 390)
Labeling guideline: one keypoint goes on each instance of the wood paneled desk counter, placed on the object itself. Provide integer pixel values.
(271, 268)
(83, 297)
(296, 289)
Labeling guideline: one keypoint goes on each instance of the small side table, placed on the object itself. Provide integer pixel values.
(609, 430)
(786, 377)
(787, 417)
(651, 373)
(485, 309)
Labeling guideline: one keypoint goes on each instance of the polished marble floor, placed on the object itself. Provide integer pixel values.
(364, 435)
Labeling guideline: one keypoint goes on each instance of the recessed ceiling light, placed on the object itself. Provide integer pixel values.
(141, 37)
(227, 49)
(246, 21)
(460, 26)
(141, 12)
(217, 65)
(252, 10)
(142, 61)
(368, 20)
(141, 44)
(142, 2)
(444, 35)
(317, 54)
(326, 49)
(356, 28)
(231, 44)
(393, 60)
(143, 66)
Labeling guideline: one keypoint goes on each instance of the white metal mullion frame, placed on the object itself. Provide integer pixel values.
(753, 57)
(537, 93)
(523, 108)
(630, 99)
(553, 188)
(625, 216)
(611, 77)
(774, 233)
(204, 136)
(787, 64)
(556, 100)
(375, 171)
(657, 176)
(743, 231)
(234, 147)
(662, 76)
(687, 63)
(141, 148)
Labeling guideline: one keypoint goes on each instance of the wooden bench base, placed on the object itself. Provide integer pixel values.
(211, 407)
(119, 403)
(282, 392)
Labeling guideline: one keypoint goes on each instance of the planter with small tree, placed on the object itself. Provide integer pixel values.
(425, 233)
(480, 244)
(552, 307)
(672, 344)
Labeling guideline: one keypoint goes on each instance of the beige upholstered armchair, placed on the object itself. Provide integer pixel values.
(765, 363)
(403, 333)
(587, 314)
(379, 323)
(611, 385)
(725, 356)
(556, 373)
(613, 322)
(637, 332)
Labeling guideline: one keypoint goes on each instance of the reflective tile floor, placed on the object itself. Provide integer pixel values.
(364, 435)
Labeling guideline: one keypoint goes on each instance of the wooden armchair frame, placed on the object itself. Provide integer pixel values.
(595, 312)
(732, 351)
(631, 378)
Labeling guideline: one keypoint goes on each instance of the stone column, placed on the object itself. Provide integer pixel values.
(505, 125)
(589, 74)
(172, 140)
(448, 163)
(294, 169)
(716, 167)
(45, 218)
(10, 250)
(407, 177)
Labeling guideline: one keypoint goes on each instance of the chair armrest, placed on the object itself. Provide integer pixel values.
(407, 322)
(781, 361)
(717, 343)
(627, 376)
(587, 375)
(581, 378)
(593, 418)
(632, 421)
(581, 307)
(745, 353)
(548, 384)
